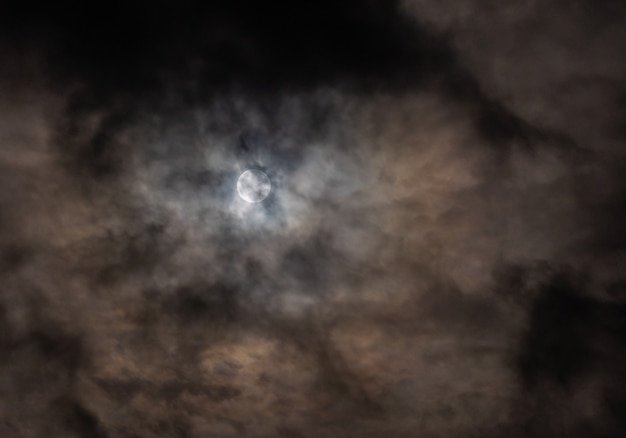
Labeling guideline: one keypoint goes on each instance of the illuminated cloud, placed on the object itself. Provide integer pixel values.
(441, 253)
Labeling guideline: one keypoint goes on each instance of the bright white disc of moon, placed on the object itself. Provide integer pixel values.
(253, 185)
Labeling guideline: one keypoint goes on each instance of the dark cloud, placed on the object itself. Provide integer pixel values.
(441, 253)
(116, 62)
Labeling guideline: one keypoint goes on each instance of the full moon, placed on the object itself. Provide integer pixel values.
(253, 186)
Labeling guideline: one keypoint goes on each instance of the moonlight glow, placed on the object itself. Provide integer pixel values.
(253, 186)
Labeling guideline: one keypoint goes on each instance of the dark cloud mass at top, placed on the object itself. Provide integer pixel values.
(442, 253)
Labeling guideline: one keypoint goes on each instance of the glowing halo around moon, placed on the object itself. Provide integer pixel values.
(253, 186)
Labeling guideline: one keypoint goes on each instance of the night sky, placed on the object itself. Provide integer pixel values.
(442, 253)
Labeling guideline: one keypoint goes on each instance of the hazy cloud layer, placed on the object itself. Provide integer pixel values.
(442, 253)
